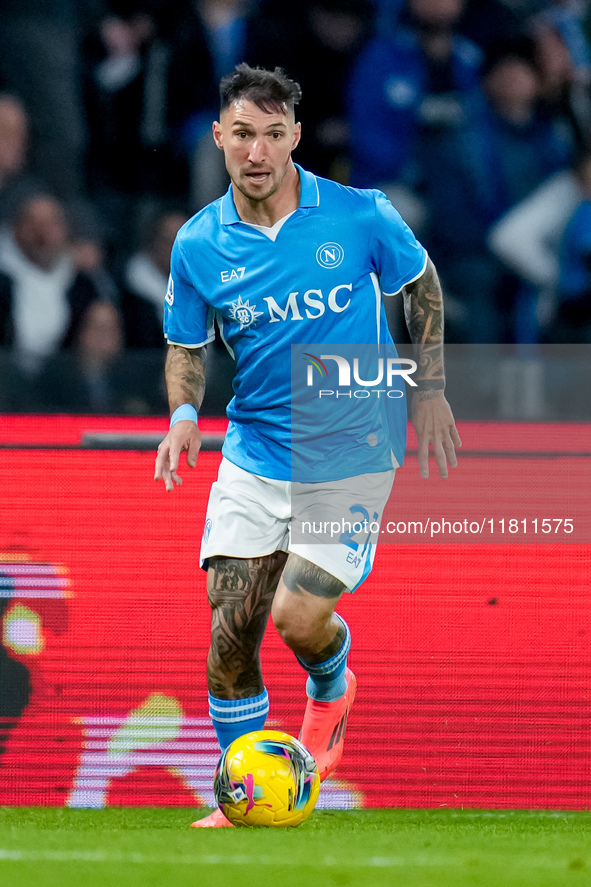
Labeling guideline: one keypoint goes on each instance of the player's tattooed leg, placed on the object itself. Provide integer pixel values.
(303, 610)
(333, 647)
(240, 592)
(300, 576)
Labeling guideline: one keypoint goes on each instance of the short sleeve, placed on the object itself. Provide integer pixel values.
(188, 319)
(397, 256)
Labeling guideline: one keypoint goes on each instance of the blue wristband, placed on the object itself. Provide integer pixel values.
(182, 413)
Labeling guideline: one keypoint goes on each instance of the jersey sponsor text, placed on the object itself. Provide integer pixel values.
(314, 299)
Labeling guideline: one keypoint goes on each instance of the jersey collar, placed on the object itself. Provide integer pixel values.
(309, 196)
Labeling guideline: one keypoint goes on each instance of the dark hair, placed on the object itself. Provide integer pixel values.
(520, 49)
(268, 90)
(153, 222)
(30, 193)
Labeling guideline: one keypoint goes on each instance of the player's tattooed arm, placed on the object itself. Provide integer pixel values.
(431, 414)
(185, 376)
(423, 309)
(185, 383)
(240, 592)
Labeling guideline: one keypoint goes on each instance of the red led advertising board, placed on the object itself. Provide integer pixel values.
(473, 658)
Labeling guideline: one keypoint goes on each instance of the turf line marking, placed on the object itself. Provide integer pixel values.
(100, 856)
(508, 814)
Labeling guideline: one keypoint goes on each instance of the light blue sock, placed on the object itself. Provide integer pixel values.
(326, 681)
(235, 717)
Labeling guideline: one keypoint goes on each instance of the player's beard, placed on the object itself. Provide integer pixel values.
(274, 184)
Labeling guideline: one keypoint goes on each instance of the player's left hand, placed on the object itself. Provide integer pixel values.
(435, 426)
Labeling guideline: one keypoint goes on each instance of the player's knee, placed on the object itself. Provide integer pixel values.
(298, 640)
(299, 630)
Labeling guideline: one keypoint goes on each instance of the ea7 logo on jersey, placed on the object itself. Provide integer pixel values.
(330, 255)
(245, 313)
(169, 297)
(234, 274)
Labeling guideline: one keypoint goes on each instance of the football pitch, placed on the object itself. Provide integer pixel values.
(41, 847)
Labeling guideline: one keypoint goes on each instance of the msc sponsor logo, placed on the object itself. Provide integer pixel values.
(312, 304)
(244, 313)
(298, 306)
(330, 255)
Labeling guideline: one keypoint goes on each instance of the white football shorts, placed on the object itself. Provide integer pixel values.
(333, 524)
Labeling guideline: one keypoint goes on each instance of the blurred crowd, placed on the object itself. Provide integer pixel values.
(474, 116)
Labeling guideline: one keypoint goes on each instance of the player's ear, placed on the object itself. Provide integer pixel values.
(217, 134)
(297, 134)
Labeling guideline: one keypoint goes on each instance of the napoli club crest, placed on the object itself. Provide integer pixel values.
(330, 255)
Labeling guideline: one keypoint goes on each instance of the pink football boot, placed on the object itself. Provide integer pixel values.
(323, 729)
(214, 820)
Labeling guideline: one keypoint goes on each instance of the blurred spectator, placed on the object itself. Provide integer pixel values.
(14, 132)
(514, 147)
(13, 137)
(326, 37)
(225, 25)
(459, 132)
(145, 281)
(572, 322)
(568, 18)
(527, 143)
(209, 41)
(130, 161)
(487, 23)
(565, 82)
(528, 237)
(93, 374)
(411, 89)
(334, 33)
(45, 285)
(475, 152)
(414, 101)
(39, 63)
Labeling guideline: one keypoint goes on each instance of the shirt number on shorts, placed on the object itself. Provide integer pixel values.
(362, 524)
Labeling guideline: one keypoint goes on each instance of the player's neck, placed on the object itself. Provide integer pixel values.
(267, 212)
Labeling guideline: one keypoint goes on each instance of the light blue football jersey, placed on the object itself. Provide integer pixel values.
(320, 280)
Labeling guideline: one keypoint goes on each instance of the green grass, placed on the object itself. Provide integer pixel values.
(408, 848)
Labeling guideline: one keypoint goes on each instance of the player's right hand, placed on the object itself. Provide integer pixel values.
(184, 436)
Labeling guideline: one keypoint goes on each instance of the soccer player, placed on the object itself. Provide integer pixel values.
(285, 258)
